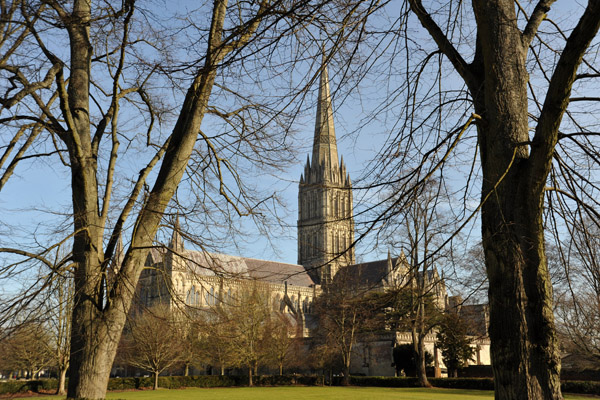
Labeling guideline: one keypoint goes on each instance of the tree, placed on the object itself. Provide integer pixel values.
(152, 341)
(214, 340)
(58, 312)
(343, 315)
(413, 302)
(578, 297)
(453, 342)
(413, 307)
(248, 317)
(78, 103)
(405, 359)
(27, 351)
(281, 339)
(517, 82)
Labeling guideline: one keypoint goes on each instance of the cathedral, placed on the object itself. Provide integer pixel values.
(326, 241)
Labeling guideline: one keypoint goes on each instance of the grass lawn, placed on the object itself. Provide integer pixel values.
(307, 393)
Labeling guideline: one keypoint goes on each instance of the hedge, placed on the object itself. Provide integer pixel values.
(36, 386)
(577, 387)
(206, 381)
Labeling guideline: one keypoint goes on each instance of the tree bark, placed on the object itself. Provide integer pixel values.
(419, 349)
(62, 375)
(155, 380)
(524, 346)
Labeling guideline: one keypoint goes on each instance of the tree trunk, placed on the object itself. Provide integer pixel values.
(155, 380)
(281, 368)
(250, 376)
(524, 346)
(345, 375)
(419, 350)
(186, 372)
(62, 374)
(99, 317)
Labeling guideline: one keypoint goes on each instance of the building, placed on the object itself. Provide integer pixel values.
(325, 250)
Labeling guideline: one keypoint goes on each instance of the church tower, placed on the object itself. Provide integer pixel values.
(325, 212)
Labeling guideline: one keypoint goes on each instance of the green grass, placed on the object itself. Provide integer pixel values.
(306, 393)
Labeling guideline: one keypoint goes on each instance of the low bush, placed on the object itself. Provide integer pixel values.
(22, 386)
(581, 387)
(381, 381)
(207, 381)
(463, 383)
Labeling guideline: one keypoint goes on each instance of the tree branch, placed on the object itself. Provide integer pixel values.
(444, 44)
(559, 91)
(538, 15)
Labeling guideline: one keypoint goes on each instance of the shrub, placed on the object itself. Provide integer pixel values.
(581, 387)
(463, 383)
(36, 386)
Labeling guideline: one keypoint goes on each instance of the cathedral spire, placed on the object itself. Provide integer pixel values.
(324, 145)
(176, 240)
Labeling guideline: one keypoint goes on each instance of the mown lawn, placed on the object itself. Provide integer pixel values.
(303, 393)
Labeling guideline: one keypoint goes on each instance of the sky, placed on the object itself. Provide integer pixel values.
(40, 189)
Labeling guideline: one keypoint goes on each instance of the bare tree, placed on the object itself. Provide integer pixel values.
(343, 316)
(152, 341)
(95, 106)
(578, 296)
(214, 336)
(281, 339)
(58, 314)
(418, 225)
(248, 315)
(506, 69)
(28, 350)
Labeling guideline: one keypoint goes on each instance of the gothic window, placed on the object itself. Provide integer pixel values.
(212, 297)
(305, 305)
(332, 242)
(191, 296)
(198, 298)
(335, 205)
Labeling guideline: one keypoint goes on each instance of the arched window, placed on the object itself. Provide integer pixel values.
(212, 296)
(305, 305)
(335, 206)
(191, 296)
(276, 303)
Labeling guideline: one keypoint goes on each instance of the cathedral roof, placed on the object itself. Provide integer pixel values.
(372, 273)
(213, 264)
